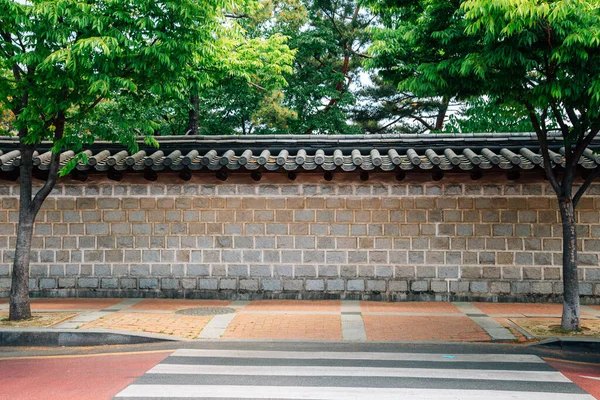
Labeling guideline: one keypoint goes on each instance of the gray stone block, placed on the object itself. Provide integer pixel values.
(128, 283)
(459, 286)
(249, 285)
(47, 283)
(479, 287)
(161, 270)
(228, 284)
(39, 270)
(315, 285)
(293, 285)
(208, 284)
(5, 283)
(102, 270)
(384, 271)
(328, 270)
(305, 270)
(398, 286)
(139, 269)
(260, 270)
(356, 285)
(148, 283)
(57, 270)
(585, 288)
(88, 283)
(311, 257)
(439, 286)
(592, 274)
(188, 283)
(169, 283)
(271, 284)
(376, 285)
(109, 283)
(237, 270)
(197, 270)
(541, 287)
(520, 287)
(66, 283)
(405, 272)
(251, 256)
(447, 272)
(283, 270)
(499, 287)
(419, 286)
(335, 285)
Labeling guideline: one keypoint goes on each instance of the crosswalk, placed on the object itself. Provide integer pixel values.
(259, 374)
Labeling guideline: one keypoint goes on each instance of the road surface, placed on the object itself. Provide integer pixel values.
(298, 370)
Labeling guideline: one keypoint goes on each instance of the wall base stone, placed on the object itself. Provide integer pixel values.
(314, 289)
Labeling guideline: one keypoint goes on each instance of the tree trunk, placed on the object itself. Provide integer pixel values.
(19, 291)
(441, 117)
(193, 117)
(570, 316)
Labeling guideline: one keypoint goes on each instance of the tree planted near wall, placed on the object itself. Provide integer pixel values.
(63, 60)
(540, 57)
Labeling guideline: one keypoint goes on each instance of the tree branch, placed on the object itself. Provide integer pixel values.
(585, 186)
(543, 140)
(41, 195)
(425, 123)
(585, 143)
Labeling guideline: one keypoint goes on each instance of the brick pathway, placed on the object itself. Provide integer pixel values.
(294, 305)
(169, 324)
(306, 319)
(437, 329)
(174, 305)
(72, 304)
(408, 307)
(285, 326)
(520, 308)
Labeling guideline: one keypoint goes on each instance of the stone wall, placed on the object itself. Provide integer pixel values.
(309, 238)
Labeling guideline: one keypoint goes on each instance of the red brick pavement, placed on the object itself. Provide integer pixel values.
(520, 308)
(294, 305)
(174, 304)
(72, 304)
(412, 307)
(169, 324)
(435, 329)
(285, 326)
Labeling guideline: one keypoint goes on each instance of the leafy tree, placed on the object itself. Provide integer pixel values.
(382, 108)
(62, 61)
(541, 57)
(482, 114)
(329, 39)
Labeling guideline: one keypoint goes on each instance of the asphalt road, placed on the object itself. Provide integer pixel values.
(299, 370)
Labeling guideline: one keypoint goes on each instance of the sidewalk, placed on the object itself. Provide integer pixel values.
(333, 320)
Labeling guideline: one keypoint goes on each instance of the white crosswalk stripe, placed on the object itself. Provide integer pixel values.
(249, 374)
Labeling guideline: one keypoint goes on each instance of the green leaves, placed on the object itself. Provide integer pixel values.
(66, 63)
(539, 56)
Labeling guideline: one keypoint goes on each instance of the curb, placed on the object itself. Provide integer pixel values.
(571, 344)
(73, 337)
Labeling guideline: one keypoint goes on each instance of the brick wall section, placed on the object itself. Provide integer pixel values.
(375, 239)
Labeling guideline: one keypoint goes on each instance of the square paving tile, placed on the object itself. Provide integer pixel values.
(73, 304)
(169, 324)
(176, 304)
(416, 307)
(285, 326)
(435, 329)
(294, 305)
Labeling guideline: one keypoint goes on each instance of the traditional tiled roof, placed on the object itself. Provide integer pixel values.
(449, 152)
